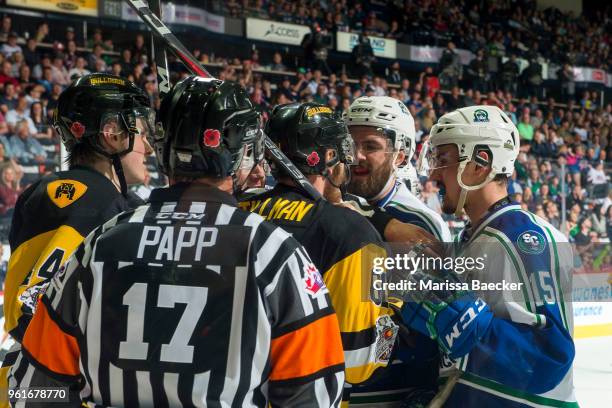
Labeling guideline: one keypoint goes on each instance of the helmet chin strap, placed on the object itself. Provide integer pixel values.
(116, 161)
(465, 188)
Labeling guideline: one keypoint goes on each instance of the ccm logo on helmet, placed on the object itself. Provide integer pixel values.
(361, 109)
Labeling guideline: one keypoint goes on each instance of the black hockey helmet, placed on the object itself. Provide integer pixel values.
(304, 132)
(93, 100)
(209, 128)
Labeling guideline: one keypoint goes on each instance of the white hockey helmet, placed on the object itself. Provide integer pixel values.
(388, 114)
(473, 129)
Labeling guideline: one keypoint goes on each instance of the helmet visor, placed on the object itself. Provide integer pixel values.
(432, 158)
(138, 121)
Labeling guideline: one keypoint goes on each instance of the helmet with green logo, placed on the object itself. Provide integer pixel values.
(473, 130)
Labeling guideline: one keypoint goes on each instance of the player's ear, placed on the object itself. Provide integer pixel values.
(112, 137)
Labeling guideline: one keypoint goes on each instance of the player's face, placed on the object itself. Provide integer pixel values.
(374, 162)
(445, 175)
(134, 163)
(257, 177)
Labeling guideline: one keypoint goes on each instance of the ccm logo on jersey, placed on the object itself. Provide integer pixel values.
(468, 316)
(178, 216)
(170, 241)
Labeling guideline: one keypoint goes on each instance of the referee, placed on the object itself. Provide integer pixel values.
(188, 300)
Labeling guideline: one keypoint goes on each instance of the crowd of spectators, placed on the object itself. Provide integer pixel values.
(497, 27)
(575, 137)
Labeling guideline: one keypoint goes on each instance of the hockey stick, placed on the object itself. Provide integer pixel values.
(159, 55)
(194, 66)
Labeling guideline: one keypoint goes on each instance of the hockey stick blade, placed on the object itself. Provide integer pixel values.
(163, 32)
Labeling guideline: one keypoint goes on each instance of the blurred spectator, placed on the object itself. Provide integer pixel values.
(96, 39)
(139, 49)
(277, 62)
(11, 47)
(532, 77)
(430, 82)
(6, 27)
(568, 83)
(525, 128)
(59, 74)
(25, 148)
(79, 69)
(6, 74)
(478, 72)
(363, 56)
(70, 35)
(29, 52)
(37, 114)
(316, 45)
(450, 67)
(8, 101)
(9, 189)
(42, 32)
(96, 59)
(394, 76)
(509, 75)
(70, 56)
(20, 113)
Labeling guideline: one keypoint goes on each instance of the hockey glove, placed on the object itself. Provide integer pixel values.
(456, 325)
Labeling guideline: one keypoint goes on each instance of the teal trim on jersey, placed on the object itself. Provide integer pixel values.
(536, 399)
(489, 232)
(421, 215)
(557, 269)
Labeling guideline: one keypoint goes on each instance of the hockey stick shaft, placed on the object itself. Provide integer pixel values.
(159, 55)
(194, 66)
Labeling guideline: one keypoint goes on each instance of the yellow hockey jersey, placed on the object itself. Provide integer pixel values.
(51, 219)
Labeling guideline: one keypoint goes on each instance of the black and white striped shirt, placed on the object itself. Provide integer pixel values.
(189, 301)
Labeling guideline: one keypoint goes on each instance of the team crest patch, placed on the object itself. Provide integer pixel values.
(531, 242)
(29, 297)
(65, 192)
(386, 331)
(509, 145)
(313, 282)
(481, 115)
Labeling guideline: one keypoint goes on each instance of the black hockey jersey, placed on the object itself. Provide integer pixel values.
(343, 245)
(51, 219)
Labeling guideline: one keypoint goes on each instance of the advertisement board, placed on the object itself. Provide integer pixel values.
(383, 47)
(275, 31)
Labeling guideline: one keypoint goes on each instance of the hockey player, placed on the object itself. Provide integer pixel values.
(384, 135)
(103, 121)
(383, 131)
(341, 242)
(188, 300)
(514, 348)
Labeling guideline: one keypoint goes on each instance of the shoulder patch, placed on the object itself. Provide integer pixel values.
(313, 282)
(531, 242)
(65, 192)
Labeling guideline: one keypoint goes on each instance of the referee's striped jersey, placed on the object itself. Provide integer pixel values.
(189, 301)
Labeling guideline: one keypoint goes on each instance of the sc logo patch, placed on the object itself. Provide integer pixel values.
(531, 242)
(65, 192)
